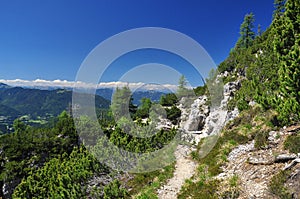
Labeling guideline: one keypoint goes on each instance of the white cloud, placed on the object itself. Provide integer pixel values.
(40, 83)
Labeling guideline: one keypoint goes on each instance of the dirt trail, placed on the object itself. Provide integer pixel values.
(185, 168)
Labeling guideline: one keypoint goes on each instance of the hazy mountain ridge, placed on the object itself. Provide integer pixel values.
(35, 103)
(138, 94)
(42, 103)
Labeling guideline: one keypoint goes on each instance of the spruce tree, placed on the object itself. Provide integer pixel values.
(122, 105)
(182, 90)
(246, 32)
(279, 8)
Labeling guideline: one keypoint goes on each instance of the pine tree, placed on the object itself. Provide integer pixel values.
(182, 90)
(122, 105)
(287, 47)
(246, 32)
(279, 8)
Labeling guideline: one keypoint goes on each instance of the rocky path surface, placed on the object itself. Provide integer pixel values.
(256, 167)
(197, 121)
(185, 168)
(253, 179)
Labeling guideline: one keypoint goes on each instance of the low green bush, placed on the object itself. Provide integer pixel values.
(277, 187)
(261, 139)
(292, 143)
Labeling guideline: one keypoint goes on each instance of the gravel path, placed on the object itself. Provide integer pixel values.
(185, 168)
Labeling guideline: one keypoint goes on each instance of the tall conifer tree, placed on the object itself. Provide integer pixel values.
(279, 8)
(246, 32)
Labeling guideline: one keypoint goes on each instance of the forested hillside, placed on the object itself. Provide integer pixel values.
(253, 156)
(269, 62)
(35, 106)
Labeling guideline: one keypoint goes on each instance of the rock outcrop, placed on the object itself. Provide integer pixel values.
(200, 120)
(196, 115)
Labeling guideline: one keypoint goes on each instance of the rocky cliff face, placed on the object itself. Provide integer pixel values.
(193, 117)
(200, 120)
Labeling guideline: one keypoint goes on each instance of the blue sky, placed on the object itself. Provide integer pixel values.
(49, 39)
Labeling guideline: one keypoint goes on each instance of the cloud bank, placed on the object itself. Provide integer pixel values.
(46, 84)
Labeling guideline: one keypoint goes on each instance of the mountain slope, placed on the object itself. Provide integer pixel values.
(16, 102)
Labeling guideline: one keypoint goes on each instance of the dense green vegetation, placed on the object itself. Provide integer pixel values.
(292, 143)
(29, 148)
(128, 131)
(267, 64)
(168, 100)
(61, 177)
(246, 32)
(270, 64)
(144, 185)
(277, 186)
(287, 49)
(49, 162)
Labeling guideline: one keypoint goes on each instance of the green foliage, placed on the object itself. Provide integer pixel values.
(168, 100)
(145, 184)
(173, 114)
(121, 105)
(292, 143)
(233, 181)
(242, 104)
(114, 190)
(26, 150)
(144, 108)
(182, 90)
(202, 189)
(61, 177)
(16, 101)
(261, 139)
(228, 64)
(232, 192)
(200, 90)
(259, 64)
(246, 32)
(19, 126)
(279, 8)
(277, 186)
(137, 144)
(270, 66)
(287, 48)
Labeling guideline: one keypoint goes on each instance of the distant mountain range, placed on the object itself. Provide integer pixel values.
(36, 104)
(136, 95)
(41, 104)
